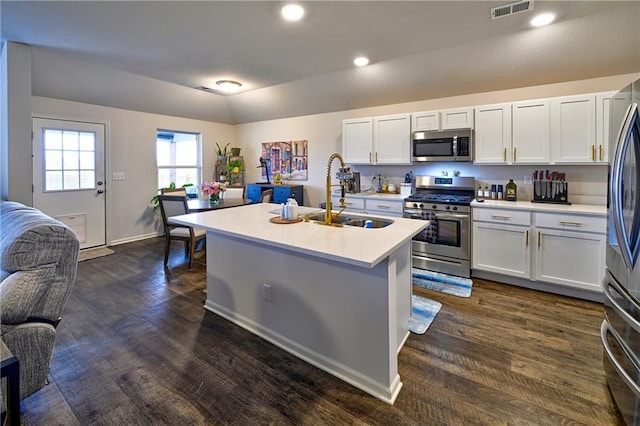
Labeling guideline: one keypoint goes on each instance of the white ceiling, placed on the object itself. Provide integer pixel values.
(149, 56)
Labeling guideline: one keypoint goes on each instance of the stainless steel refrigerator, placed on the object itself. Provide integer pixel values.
(621, 327)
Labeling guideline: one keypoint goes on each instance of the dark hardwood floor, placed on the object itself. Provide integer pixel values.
(135, 346)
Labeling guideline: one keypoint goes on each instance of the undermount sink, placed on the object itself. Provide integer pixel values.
(353, 220)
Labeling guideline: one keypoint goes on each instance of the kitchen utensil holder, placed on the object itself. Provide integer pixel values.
(552, 192)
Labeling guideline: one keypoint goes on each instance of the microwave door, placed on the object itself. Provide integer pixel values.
(625, 204)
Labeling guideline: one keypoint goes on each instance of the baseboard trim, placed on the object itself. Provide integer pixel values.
(134, 238)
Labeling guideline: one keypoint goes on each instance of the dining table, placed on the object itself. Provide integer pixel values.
(197, 205)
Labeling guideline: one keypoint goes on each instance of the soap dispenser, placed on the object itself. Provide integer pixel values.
(379, 183)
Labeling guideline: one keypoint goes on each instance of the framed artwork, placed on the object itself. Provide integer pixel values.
(289, 158)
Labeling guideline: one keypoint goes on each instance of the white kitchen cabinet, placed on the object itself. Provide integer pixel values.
(446, 119)
(353, 205)
(573, 129)
(603, 129)
(492, 139)
(357, 140)
(501, 242)
(570, 250)
(425, 121)
(458, 118)
(384, 207)
(377, 140)
(530, 132)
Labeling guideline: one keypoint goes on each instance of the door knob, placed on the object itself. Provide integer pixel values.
(99, 183)
(100, 191)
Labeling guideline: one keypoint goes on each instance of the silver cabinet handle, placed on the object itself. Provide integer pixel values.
(383, 206)
(495, 216)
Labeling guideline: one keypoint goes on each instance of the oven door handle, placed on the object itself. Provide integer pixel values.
(440, 215)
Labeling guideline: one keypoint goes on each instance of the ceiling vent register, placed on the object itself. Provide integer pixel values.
(511, 9)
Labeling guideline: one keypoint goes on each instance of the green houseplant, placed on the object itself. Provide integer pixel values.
(234, 168)
(155, 200)
(222, 153)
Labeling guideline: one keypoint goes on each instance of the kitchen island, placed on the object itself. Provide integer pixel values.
(338, 298)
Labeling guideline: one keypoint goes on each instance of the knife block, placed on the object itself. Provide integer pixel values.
(553, 192)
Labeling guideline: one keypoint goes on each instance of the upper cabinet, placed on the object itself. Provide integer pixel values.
(492, 139)
(573, 129)
(603, 108)
(448, 119)
(377, 140)
(530, 132)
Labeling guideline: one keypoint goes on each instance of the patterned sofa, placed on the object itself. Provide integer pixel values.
(38, 264)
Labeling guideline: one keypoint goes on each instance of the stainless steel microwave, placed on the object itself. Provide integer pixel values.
(448, 145)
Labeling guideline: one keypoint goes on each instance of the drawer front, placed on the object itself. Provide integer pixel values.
(351, 203)
(571, 222)
(280, 195)
(512, 217)
(253, 193)
(383, 206)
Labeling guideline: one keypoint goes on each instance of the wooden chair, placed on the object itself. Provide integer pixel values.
(175, 191)
(174, 205)
(266, 195)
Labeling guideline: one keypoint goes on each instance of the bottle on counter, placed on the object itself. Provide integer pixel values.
(500, 192)
(292, 208)
(512, 191)
(385, 184)
(479, 192)
(494, 192)
(487, 193)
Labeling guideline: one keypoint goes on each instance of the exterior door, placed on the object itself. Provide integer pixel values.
(69, 176)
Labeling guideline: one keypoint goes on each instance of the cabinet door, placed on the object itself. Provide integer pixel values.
(459, 118)
(492, 138)
(530, 122)
(384, 207)
(281, 194)
(424, 121)
(573, 129)
(253, 192)
(503, 249)
(603, 109)
(392, 139)
(357, 141)
(353, 205)
(573, 259)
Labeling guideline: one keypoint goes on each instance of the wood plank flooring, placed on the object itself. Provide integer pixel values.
(135, 346)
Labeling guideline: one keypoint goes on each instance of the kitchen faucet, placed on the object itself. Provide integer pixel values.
(343, 176)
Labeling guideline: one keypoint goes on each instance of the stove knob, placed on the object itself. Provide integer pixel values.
(421, 205)
(434, 207)
(415, 205)
(448, 207)
(455, 208)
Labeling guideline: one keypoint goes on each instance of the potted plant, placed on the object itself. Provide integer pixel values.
(234, 168)
(222, 153)
(235, 152)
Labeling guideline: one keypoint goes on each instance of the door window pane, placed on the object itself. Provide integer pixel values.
(69, 160)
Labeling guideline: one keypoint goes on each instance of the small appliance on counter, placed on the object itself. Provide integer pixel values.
(353, 183)
(550, 187)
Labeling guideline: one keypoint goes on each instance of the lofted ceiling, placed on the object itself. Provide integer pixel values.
(149, 56)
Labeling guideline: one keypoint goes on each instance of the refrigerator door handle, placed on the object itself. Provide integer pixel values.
(604, 329)
(616, 306)
(616, 183)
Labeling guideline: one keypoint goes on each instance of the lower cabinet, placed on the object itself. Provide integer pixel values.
(375, 206)
(563, 249)
(280, 192)
(570, 250)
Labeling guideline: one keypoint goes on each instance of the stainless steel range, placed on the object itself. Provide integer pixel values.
(445, 245)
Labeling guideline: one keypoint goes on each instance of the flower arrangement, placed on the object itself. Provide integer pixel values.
(213, 190)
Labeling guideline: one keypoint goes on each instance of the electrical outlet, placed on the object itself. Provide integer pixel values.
(527, 179)
(266, 292)
(117, 176)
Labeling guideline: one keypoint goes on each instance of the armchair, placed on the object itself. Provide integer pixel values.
(38, 265)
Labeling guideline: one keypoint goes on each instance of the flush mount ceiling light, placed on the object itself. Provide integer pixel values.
(361, 61)
(292, 12)
(228, 86)
(542, 19)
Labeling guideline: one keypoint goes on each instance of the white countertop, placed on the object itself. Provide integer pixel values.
(585, 209)
(349, 244)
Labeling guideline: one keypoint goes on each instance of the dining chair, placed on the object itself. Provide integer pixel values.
(174, 205)
(266, 195)
(234, 193)
(175, 191)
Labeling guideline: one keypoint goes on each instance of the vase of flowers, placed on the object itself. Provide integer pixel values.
(214, 190)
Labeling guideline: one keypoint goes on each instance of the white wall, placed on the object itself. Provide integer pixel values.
(324, 133)
(131, 149)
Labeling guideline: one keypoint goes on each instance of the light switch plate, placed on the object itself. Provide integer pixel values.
(117, 176)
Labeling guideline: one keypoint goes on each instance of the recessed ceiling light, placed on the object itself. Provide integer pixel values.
(292, 12)
(228, 86)
(361, 61)
(542, 19)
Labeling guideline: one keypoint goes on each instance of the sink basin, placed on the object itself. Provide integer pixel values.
(353, 220)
